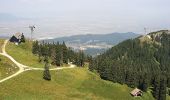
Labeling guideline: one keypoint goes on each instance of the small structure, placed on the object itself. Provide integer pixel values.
(16, 38)
(136, 92)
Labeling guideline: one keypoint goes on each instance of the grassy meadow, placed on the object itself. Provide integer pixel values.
(7, 67)
(23, 54)
(68, 84)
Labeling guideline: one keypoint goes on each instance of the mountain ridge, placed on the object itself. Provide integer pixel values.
(93, 36)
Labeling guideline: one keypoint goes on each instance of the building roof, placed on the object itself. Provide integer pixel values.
(18, 35)
(135, 91)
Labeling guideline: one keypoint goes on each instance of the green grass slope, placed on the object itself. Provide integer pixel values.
(1, 43)
(68, 84)
(23, 54)
(7, 67)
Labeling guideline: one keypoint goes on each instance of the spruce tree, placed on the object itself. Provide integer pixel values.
(65, 53)
(91, 64)
(22, 38)
(156, 87)
(145, 83)
(168, 81)
(35, 47)
(46, 74)
(162, 91)
(58, 57)
(53, 56)
(61, 57)
(80, 58)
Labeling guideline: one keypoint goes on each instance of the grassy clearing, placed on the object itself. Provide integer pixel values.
(68, 84)
(7, 67)
(23, 54)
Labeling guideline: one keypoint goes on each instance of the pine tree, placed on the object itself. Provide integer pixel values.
(81, 58)
(156, 87)
(162, 91)
(46, 74)
(58, 57)
(65, 53)
(144, 84)
(91, 63)
(35, 47)
(130, 79)
(61, 57)
(22, 38)
(40, 53)
(168, 81)
(53, 56)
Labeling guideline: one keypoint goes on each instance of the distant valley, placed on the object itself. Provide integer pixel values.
(94, 44)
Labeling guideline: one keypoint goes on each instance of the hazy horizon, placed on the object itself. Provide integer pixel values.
(55, 18)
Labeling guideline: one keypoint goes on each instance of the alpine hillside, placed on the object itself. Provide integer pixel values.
(142, 62)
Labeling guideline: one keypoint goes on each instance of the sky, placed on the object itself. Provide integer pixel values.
(56, 18)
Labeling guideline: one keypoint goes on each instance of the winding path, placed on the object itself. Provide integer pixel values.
(22, 67)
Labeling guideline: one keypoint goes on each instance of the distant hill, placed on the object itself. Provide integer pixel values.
(141, 62)
(94, 43)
